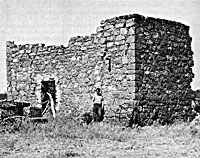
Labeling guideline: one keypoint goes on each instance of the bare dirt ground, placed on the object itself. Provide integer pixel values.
(103, 141)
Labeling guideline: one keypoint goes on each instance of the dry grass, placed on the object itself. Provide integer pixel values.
(63, 137)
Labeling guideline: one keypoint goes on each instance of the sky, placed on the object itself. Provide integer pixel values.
(54, 22)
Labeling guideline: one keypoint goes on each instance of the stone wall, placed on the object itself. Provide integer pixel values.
(130, 57)
(164, 47)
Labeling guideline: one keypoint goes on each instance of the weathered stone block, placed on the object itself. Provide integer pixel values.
(132, 46)
(116, 32)
(120, 37)
(123, 31)
(110, 44)
(124, 60)
(108, 27)
(131, 31)
(15, 60)
(119, 25)
(130, 23)
(99, 29)
(131, 53)
(102, 40)
(130, 39)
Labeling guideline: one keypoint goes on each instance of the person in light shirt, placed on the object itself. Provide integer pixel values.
(98, 110)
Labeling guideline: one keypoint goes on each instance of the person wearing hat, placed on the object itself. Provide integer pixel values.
(98, 110)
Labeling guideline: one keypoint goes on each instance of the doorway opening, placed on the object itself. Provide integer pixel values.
(47, 87)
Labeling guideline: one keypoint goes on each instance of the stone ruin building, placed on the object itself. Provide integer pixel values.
(131, 57)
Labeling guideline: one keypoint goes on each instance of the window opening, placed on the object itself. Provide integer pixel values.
(109, 63)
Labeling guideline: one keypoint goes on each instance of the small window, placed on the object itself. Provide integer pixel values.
(108, 63)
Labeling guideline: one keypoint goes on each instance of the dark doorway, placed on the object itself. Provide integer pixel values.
(47, 86)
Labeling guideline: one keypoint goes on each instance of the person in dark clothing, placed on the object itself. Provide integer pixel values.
(98, 110)
(143, 118)
(135, 118)
(155, 115)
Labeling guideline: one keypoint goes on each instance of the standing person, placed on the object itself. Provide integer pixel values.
(143, 118)
(154, 116)
(97, 106)
(135, 117)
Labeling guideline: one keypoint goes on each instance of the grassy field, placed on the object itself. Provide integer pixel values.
(63, 137)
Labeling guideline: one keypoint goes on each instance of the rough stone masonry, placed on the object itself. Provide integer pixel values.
(130, 57)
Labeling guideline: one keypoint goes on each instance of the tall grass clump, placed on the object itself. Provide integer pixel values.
(65, 127)
(68, 128)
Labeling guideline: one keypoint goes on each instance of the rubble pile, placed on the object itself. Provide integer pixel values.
(10, 108)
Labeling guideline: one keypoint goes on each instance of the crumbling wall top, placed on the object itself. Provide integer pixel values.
(139, 17)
